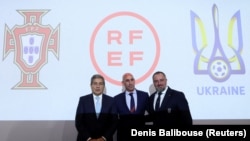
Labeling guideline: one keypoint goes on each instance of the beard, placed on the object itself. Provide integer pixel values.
(160, 89)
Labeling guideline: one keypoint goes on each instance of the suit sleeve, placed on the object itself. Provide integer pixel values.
(113, 122)
(185, 114)
(83, 133)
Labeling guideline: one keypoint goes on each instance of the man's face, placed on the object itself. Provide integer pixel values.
(97, 86)
(129, 82)
(160, 82)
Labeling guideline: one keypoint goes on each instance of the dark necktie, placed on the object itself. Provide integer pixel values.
(132, 103)
(157, 104)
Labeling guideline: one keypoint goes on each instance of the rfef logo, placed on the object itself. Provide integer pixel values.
(31, 43)
(124, 42)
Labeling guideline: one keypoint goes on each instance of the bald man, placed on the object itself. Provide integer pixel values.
(131, 107)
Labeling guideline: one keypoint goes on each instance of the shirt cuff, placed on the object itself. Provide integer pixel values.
(104, 138)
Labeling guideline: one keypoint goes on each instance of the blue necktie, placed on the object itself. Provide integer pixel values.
(97, 106)
(132, 103)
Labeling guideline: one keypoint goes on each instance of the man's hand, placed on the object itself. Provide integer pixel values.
(101, 139)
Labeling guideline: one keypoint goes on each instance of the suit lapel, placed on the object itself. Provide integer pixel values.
(166, 99)
(138, 101)
(104, 102)
(91, 104)
(124, 103)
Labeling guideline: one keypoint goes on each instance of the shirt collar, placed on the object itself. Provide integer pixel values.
(100, 96)
(127, 93)
(163, 92)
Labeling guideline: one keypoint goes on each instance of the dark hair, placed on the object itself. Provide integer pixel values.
(158, 72)
(97, 76)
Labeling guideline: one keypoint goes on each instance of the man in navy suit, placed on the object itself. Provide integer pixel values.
(168, 107)
(96, 116)
(131, 107)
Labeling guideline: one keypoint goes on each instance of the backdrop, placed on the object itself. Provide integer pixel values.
(50, 49)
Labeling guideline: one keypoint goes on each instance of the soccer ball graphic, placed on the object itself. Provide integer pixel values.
(219, 70)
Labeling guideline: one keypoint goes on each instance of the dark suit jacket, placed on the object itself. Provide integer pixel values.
(129, 120)
(174, 110)
(87, 123)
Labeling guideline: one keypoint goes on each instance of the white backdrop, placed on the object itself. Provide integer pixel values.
(70, 41)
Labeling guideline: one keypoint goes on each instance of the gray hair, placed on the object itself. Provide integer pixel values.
(97, 76)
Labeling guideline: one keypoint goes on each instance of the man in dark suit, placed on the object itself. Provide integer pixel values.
(168, 107)
(131, 107)
(96, 116)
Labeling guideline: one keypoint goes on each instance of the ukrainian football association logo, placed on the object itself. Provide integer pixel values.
(220, 62)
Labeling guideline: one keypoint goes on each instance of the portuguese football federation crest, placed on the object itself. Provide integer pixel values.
(31, 43)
